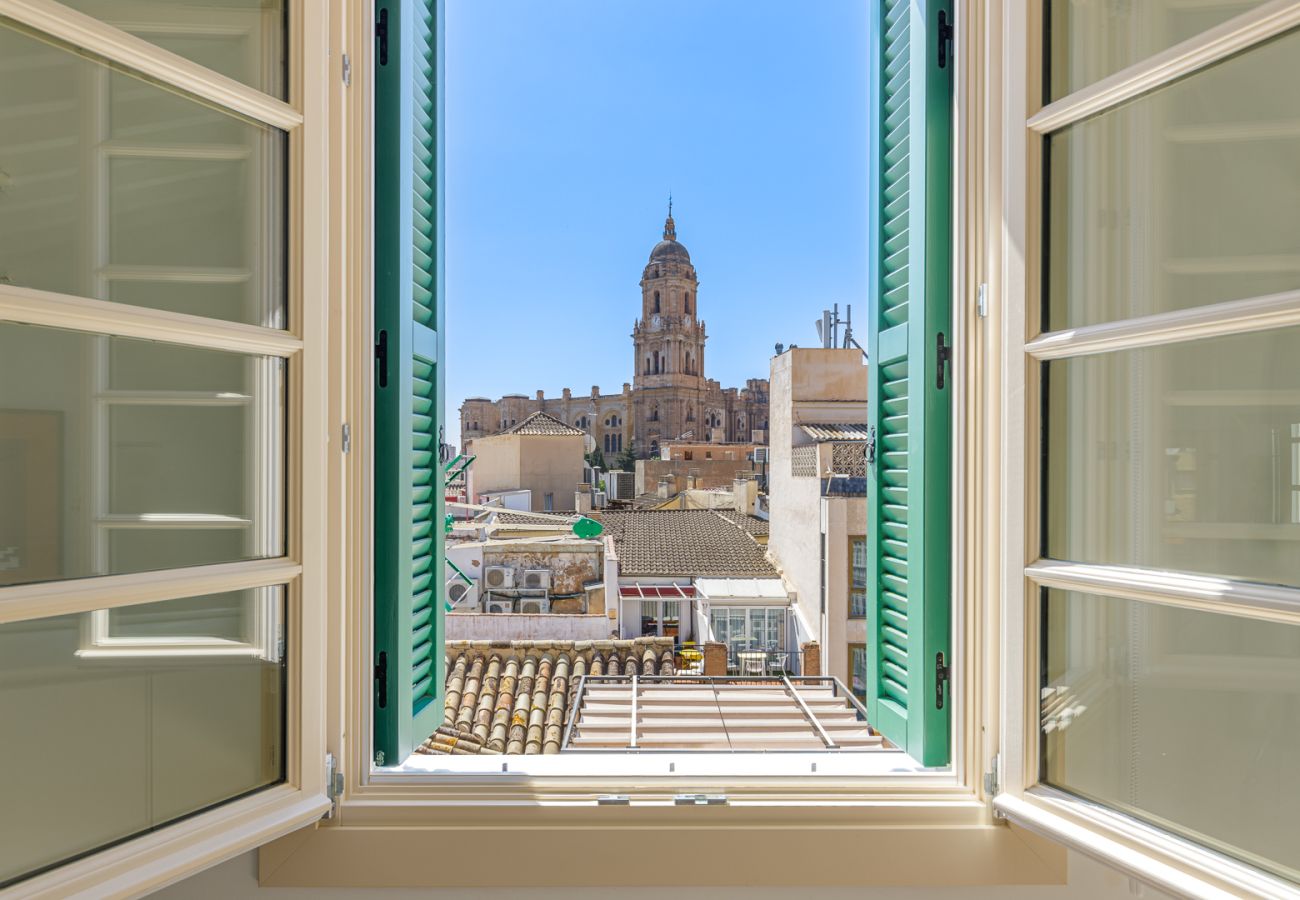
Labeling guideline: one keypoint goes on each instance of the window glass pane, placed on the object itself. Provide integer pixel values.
(217, 617)
(1184, 197)
(117, 189)
(241, 39)
(1178, 457)
(858, 669)
(127, 456)
(110, 748)
(1187, 719)
(1086, 41)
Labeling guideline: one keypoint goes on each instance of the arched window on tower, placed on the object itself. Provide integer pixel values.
(690, 414)
(656, 359)
(654, 413)
(687, 300)
(647, 365)
(656, 309)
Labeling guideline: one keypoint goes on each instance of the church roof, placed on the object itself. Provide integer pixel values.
(668, 249)
(542, 423)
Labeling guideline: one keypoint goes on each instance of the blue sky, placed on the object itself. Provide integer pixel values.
(569, 121)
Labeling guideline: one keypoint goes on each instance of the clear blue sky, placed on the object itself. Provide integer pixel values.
(569, 121)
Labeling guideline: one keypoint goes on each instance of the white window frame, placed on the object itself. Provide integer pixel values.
(1013, 184)
(153, 860)
(886, 827)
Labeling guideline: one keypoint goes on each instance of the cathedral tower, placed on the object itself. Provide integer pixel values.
(668, 345)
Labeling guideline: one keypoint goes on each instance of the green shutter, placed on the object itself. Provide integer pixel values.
(909, 509)
(409, 382)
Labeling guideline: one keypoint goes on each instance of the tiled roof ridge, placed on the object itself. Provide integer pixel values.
(533, 421)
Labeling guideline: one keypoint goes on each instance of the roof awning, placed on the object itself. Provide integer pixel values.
(656, 591)
(762, 590)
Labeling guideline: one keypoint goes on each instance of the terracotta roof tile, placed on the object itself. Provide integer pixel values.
(830, 432)
(513, 697)
(689, 542)
(748, 523)
(542, 423)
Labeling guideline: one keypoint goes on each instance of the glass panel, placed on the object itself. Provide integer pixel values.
(114, 461)
(1187, 719)
(241, 39)
(118, 189)
(858, 591)
(108, 749)
(1178, 457)
(1090, 40)
(217, 617)
(1181, 198)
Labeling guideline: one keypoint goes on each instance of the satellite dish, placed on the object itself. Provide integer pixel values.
(588, 443)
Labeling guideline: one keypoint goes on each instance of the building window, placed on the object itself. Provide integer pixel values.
(548, 503)
(688, 455)
(858, 670)
(656, 309)
(750, 628)
(708, 454)
(686, 299)
(656, 359)
(661, 618)
(857, 578)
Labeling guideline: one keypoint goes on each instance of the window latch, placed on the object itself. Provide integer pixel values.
(871, 445)
(700, 800)
(943, 356)
(333, 785)
(381, 36)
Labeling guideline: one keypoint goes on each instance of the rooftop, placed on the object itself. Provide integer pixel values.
(689, 542)
(836, 432)
(513, 697)
(543, 423)
(747, 522)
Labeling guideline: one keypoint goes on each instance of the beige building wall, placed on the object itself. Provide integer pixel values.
(542, 463)
(815, 385)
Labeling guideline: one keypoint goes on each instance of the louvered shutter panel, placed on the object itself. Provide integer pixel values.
(409, 383)
(909, 480)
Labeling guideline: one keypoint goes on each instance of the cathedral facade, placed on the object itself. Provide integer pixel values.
(669, 396)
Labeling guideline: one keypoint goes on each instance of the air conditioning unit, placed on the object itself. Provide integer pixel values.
(534, 605)
(760, 454)
(500, 606)
(499, 577)
(598, 500)
(462, 595)
(537, 579)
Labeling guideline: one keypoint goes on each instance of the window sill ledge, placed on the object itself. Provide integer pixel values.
(376, 844)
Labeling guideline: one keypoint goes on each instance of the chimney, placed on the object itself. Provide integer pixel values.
(595, 391)
(582, 499)
(541, 396)
(568, 394)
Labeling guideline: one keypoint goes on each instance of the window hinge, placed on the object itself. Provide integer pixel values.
(381, 681)
(943, 35)
(982, 300)
(993, 783)
(700, 799)
(381, 36)
(871, 445)
(347, 70)
(347, 438)
(614, 800)
(333, 785)
(381, 356)
(941, 673)
(943, 354)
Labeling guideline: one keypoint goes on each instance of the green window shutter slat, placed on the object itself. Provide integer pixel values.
(909, 605)
(410, 408)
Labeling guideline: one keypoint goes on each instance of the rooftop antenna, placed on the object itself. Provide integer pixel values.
(828, 328)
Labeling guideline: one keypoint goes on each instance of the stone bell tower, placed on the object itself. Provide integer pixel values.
(668, 343)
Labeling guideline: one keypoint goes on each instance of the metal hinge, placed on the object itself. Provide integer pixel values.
(333, 784)
(943, 354)
(381, 681)
(381, 37)
(347, 438)
(871, 445)
(982, 300)
(700, 800)
(614, 800)
(941, 673)
(993, 782)
(943, 35)
(347, 70)
(381, 356)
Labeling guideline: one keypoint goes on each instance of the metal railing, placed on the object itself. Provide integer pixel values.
(787, 682)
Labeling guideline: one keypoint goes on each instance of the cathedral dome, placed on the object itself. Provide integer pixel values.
(668, 250)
